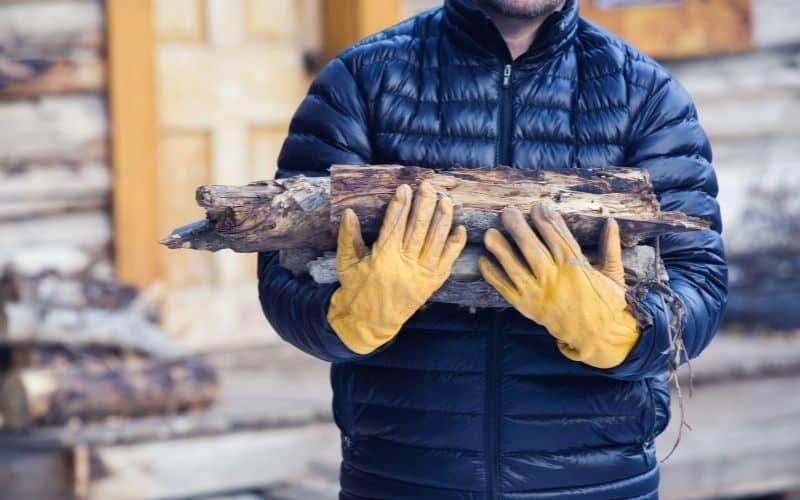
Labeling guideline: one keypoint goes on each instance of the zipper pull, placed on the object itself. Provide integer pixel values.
(506, 76)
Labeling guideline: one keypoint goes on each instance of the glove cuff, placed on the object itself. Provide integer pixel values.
(358, 334)
(608, 348)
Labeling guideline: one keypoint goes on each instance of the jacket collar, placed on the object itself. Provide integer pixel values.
(471, 29)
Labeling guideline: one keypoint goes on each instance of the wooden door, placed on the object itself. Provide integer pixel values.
(229, 74)
(202, 91)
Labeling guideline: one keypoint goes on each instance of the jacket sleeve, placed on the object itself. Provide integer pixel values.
(329, 127)
(672, 146)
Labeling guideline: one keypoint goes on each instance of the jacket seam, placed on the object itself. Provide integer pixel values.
(587, 486)
(568, 418)
(421, 370)
(416, 409)
(402, 481)
(459, 451)
(563, 452)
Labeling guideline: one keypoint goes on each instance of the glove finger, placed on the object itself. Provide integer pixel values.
(504, 253)
(559, 239)
(611, 253)
(532, 248)
(453, 248)
(498, 278)
(437, 234)
(568, 351)
(394, 222)
(419, 220)
(350, 246)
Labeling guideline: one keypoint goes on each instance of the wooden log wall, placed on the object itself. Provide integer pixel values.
(54, 176)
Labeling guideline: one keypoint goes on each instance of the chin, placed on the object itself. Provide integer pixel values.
(523, 9)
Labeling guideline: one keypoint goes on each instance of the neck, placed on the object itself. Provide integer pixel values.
(518, 33)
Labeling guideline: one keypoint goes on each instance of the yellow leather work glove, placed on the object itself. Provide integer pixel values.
(410, 260)
(583, 307)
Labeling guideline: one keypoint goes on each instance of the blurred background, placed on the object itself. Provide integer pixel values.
(133, 371)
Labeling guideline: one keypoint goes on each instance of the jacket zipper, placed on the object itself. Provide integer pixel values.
(492, 408)
(502, 157)
(503, 153)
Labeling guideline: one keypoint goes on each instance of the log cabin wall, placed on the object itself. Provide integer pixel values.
(55, 180)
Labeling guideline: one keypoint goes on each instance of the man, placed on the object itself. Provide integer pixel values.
(562, 395)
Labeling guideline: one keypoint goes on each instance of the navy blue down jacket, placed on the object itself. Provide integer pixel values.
(481, 405)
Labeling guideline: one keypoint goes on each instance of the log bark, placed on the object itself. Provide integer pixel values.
(586, 198)
(38, 73)
(94, 389)
(55, 291)
(32, 192)
(66, 292)
(53, 355)
(302, 212)
(61, 52)
(466, 287)
(39, 324)
(54, 131)
(263, 215)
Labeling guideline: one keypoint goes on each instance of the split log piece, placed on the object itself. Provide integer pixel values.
(303, 212)
(466, 287)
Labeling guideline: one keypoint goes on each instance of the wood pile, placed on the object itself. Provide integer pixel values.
(300, 215)
(77, 349)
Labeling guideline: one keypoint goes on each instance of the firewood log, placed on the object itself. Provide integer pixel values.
(466, 287)
(300, 215)
(39, 324)
(303, 212)
(97, 388)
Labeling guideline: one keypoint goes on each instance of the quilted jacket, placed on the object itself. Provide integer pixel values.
(481, 405)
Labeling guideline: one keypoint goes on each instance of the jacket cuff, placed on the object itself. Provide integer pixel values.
(649, 356)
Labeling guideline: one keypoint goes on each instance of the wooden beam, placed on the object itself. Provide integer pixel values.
(203, 465)
(133, 146)
(347, 21)
(678, 29)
